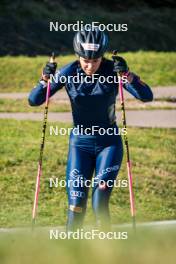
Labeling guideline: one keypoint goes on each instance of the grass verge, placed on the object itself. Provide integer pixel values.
(21, 73)
(153, 156)
(148, 246)
(22, 106)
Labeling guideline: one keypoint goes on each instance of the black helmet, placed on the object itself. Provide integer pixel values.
(90, 44)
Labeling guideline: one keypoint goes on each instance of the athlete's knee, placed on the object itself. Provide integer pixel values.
(103, 188)
(100, 198)
(76, 209)
(103, 185)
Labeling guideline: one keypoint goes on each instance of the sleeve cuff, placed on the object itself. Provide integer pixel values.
(44, 84)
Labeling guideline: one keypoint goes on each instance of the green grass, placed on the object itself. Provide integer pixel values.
(20, 73)
(148, 246)
(153, 156)
(21, 105)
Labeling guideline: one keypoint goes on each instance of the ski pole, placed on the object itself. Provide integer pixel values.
(39, 172)
(130, 182)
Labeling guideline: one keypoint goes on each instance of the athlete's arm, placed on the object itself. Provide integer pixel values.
(135, 86)
(38, 95)
(138, 88)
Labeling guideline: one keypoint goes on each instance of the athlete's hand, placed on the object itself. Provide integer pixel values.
(130, 76)
(120, 65)
(50, 68)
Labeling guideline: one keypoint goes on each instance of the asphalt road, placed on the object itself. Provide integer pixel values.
(138, 118)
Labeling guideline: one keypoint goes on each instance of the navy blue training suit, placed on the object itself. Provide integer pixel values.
(93, 104)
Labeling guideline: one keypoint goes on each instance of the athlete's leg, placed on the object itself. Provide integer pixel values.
(108, 163)
(80, 167)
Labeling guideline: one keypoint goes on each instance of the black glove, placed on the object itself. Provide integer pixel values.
(120, 65)
(50, 68)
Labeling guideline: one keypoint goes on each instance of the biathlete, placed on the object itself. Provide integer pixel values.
(93, 105)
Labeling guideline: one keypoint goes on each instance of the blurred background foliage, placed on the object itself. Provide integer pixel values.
(25, 24)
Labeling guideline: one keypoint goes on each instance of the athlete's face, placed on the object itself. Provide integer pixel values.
(90, 66)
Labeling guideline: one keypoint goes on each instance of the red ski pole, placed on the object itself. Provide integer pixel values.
(130, 182)
(37, 187)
